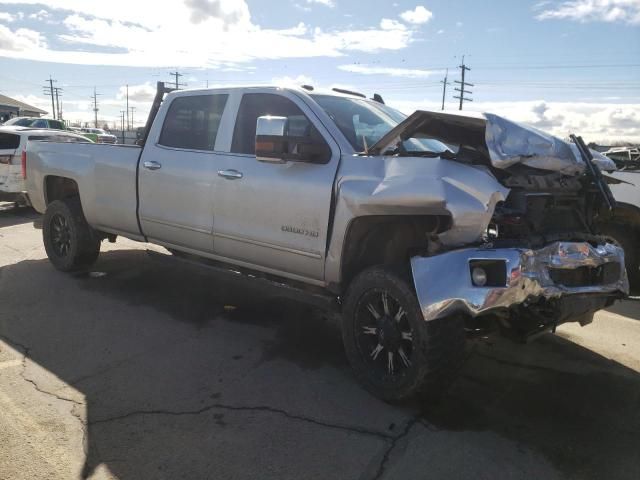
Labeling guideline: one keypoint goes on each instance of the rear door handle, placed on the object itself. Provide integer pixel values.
(151, 165)
(230, 174)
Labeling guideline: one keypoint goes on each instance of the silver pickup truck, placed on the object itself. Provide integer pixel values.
(421, 229)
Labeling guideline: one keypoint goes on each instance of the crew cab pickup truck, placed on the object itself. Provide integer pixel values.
(421, 228)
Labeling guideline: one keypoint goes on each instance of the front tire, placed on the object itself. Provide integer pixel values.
(629, 240)
(70, 243)
(394, 353)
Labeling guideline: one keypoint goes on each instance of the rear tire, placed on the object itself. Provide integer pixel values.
(70, 243)
(394, 353)
(629, 240)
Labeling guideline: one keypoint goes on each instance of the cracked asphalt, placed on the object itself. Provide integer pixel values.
(152, 370)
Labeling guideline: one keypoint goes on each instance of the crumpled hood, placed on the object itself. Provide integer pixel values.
(506, 143)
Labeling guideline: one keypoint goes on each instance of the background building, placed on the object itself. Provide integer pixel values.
(10, 107)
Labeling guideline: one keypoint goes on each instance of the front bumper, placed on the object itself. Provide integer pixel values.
(444, 284)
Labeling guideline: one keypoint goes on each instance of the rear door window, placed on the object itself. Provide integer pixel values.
(40, 124)
(56, 124)
(192, 122)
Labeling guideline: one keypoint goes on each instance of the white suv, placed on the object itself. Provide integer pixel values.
(14, 143)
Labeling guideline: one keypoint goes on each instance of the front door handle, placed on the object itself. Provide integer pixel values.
(151, 165)
(230, 174)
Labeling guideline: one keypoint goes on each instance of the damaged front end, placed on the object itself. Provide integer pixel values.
(527, 290)
(539, 262)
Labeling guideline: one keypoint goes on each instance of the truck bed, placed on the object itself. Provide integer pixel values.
(106, 178)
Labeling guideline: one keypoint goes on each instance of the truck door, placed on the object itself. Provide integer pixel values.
(274, 216)
(177, 171)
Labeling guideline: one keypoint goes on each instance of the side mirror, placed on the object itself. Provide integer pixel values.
(275, 144)
(272, 139)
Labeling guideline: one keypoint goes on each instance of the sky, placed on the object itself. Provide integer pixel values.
(565, 66)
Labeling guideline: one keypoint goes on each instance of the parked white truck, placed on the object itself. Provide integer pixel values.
(337, 196)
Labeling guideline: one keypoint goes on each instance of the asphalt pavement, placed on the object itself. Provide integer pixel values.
(142, 369)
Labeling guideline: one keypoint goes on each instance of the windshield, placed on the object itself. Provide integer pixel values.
(364, 122)
(20, 122)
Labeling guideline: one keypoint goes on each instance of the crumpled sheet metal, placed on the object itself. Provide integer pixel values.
(444, 287)
(370, 186)
(510, 143)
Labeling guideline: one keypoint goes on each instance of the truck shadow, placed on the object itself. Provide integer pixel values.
(629, 309)
(152, 346)
(11, 215)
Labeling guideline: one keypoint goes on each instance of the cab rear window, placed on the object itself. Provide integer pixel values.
(192, 122)
(8, 141)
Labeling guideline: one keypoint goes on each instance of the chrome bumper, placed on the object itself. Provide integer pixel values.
(444, 286)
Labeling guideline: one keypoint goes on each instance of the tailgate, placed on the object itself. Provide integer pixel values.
(10, 164)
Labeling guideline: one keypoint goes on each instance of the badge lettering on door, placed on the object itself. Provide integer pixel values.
(300, 231)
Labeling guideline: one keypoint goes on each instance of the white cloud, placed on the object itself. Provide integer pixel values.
(194, 33)
(230, 12)
(7, 17)
(326, 3)
(21, 40)
(392, 35)
(287, 81)
(624, 11)
(389, 71)
(599, 122)
(417, 16)
(39, 15)
(137, 93)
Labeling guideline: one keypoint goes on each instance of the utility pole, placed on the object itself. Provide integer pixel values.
(128, 107)
(463, 84)
(95, 107)
(444, 83)
(122, 113)
(177, 82)
(133, 109)
(58, 94)
(48, 90)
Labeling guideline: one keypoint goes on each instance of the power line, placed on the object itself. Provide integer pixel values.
(463, 68)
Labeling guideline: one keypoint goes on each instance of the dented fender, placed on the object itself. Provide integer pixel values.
(368, 186)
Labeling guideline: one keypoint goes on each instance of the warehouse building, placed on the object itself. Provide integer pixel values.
(10, 107)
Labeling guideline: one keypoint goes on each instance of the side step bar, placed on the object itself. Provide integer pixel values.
(272, 286)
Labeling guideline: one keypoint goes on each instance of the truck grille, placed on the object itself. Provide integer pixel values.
(586, 276)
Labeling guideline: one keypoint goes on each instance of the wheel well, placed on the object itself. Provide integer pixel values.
(386, 240)
(625, 214)
(58, 188)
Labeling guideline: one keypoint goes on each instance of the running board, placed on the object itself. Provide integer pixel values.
(275, 287)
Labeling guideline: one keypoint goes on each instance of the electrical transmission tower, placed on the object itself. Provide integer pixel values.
(49, 90)
(463, 84)
(177, 81)
(444, 83)
(95, 106)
